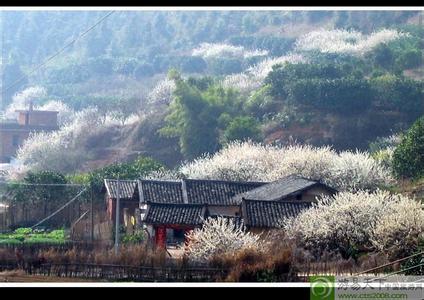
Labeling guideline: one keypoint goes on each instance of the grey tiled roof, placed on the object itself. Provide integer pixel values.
(280, 189)
(237, 220)
(160, 191)
(217, 192)
(127, 188)
(268, 214)
(175, 214)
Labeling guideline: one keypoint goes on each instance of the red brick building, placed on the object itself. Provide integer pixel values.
(13, 133)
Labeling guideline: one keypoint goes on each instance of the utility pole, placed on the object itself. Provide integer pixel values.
(118, 195)
(92, 214)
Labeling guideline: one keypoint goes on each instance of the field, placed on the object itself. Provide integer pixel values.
(30, 236)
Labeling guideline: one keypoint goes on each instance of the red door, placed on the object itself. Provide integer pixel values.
(160, 235)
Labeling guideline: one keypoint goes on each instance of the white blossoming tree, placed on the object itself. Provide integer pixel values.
(219, 236)
(65, 112)
(63, 150)
(213, 50)
(22, 100)
(344, 41)
(255, 75)
(350, 222)
(248, 161)
(162, 92)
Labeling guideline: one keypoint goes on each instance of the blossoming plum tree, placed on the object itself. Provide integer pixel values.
(219, 236)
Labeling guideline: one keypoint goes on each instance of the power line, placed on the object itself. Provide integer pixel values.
(41, 184)
(58, 52)
(58, 210)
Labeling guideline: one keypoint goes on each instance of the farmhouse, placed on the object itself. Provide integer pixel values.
(14, 132)
(168, 209)
(128, 203)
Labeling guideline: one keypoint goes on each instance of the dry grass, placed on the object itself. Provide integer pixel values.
(283, 260)
(21, 276)
(273, 263)
(133, 255)
(252, 265)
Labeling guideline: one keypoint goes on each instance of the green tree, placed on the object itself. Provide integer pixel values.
(399, 93)
(224, 66)
(408, 158)
(195, 112)
(44, 188)
(193, 120)
(126, 171)
(242, 128)
(383, 56)
(409, 59)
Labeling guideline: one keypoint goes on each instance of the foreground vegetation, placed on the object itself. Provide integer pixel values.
(27, 236)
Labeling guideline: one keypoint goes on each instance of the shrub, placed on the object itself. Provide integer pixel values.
(351, 223)
(24, 230)
(408, 157)
(415, 264)
(135, 238)
(219, 236)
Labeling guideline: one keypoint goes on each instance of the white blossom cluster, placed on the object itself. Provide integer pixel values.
(219, 50)
(164, 174)
(65, 112)
(254, 76)
(248, 161)
(63, 150)
(161, 94)
(243, 82)
(344, 41)
(219, 236)
(21, 100)
(262, 69)
(371, 221)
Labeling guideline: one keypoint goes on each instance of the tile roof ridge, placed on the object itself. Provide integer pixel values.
(225, 181)
(276, 201)
(176, 204)
(121, 180)
(157, 181)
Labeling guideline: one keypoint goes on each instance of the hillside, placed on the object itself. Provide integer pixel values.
(344, 79)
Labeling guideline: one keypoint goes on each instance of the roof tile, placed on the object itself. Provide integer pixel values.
(216, 192)
(160, 191)
(175, 214)
(127, 188)
(269, 214)
(279, 189)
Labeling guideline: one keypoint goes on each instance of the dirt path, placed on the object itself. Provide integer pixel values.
(21, 276)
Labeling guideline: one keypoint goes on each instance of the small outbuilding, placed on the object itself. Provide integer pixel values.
(128, 203)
